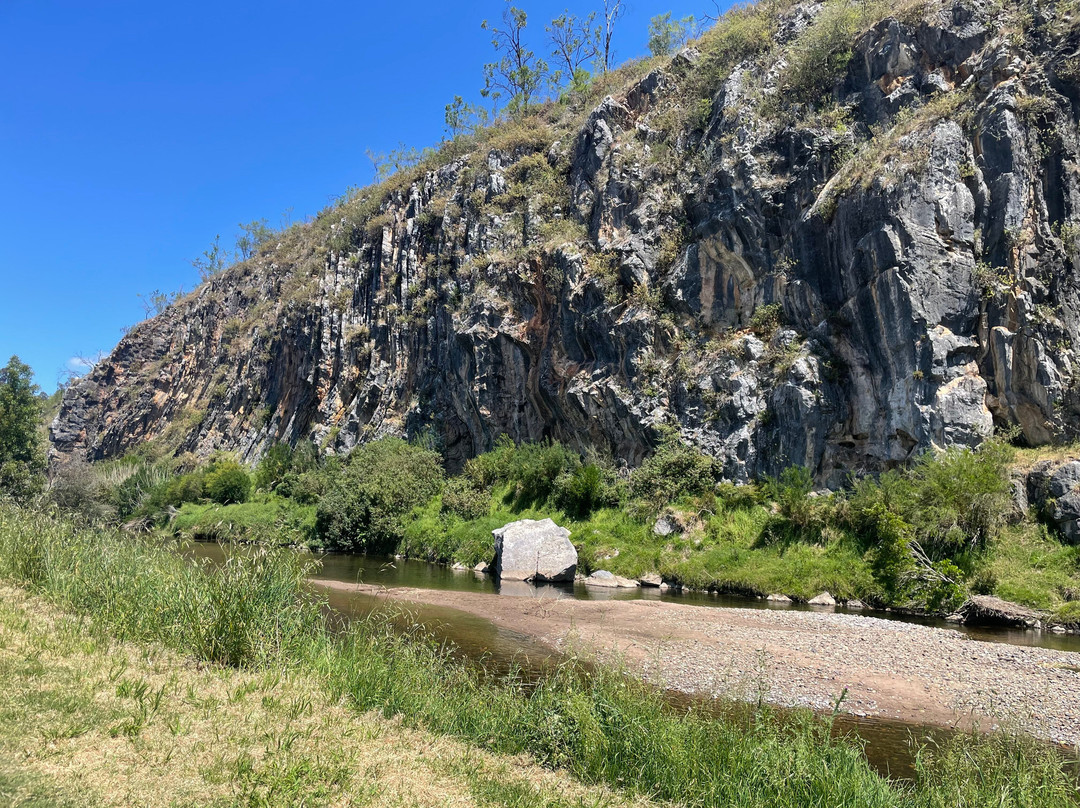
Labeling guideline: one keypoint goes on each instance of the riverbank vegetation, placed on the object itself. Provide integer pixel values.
(278, 681)
(923, 537)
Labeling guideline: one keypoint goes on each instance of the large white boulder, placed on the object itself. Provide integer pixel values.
(531, 550)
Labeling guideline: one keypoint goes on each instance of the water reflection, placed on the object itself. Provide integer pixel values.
(399, 572)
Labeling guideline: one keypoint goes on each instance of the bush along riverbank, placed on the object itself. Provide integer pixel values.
(924, 537)
(254, 614)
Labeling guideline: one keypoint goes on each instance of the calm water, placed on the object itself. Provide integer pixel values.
(390, 572)
(887, 744)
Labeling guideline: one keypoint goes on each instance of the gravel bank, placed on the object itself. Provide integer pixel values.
(889, 668)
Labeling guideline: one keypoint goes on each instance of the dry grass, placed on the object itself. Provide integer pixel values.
(1027, 458)
(87, 723)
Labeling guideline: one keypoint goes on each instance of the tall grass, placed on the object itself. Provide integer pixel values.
(250, 611)
(598, 724)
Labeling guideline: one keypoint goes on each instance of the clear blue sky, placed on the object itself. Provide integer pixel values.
(132, 132)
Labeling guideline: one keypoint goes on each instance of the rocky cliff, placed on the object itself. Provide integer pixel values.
(829, 234)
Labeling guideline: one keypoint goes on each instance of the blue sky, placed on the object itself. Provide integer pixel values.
(132, 132)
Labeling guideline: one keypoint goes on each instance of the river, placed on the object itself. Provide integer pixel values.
(887, 744)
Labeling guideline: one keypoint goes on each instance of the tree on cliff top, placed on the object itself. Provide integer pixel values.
(22, 460)
(519, 73)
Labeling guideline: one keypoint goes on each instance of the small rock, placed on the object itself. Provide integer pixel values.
(664, 526)
(824, 599)
(482, 567)
(607, 580)
(856, 604)
(650, 579)
(778, 599)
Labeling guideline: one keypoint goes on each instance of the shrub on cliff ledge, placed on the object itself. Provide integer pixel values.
(366, 505)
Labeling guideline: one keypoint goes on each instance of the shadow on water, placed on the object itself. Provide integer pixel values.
(888, 745)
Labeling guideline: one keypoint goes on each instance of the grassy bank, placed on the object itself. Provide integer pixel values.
(923, 537)
(85, 720)
(255, 619)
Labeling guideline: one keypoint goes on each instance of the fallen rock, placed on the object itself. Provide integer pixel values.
(824, 599)
(607, 580)
(984, 610)
(778, 599)
(856, 604)
(531, 550)
(482, 567)
(650, 579)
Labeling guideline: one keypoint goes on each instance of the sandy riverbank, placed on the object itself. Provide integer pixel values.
(890, 669)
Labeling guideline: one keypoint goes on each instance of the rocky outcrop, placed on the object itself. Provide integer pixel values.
(1053, 489)
(838, 285)
(530, 550)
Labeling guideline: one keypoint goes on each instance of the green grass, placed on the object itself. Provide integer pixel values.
(728, 554)
(599, 725)
(267, 519)
(1029, 567)
(85, 720)
(24, 791)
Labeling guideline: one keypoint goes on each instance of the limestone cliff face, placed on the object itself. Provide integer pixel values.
(838, 283)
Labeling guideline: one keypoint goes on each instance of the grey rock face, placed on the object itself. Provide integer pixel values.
(928, 287)
(531, 550)
(1055, 491)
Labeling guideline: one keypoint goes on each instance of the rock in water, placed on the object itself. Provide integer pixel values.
(824, 599)
(530, 550)
(650, 579)
(608, 580)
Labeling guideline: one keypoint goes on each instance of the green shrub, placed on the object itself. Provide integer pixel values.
(535, 467)
(953, 502)
(280, 468)
(766, 320)
(797, 510)
(530, 468)
(675, 470)
(490, 468)
(818, 58)
(227, 482)
(366, 505)
(584, 489)
(142, 492)
(462, 498)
